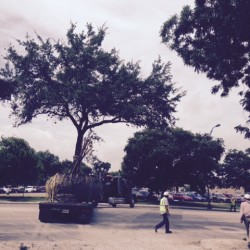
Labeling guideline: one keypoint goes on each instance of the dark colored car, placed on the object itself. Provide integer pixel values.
(228, 196)
(19, 189)
(197, 197)
(41, 189)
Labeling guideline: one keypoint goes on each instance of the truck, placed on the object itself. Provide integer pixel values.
(117, 190)
(70, 198)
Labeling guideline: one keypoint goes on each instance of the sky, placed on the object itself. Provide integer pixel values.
(133, 29)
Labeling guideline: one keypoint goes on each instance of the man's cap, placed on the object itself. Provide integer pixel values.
(247, 196)
(167, 193)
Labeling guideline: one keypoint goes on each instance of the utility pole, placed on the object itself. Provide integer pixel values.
(209, 206)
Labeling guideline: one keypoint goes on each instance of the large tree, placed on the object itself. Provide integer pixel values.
(214, 38)
(164, 159)
(236, 169)
(18, 162)
(80, 81)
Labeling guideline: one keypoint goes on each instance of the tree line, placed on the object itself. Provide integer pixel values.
(171, 158)
(158, 159)
(20, 164)
(80, 81)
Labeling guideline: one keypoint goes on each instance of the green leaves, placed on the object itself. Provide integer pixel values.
(162, 159)
(236, 169)
(214, 39)
(80, 81)
(17, 162)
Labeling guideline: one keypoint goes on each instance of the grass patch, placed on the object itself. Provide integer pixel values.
(13, 198)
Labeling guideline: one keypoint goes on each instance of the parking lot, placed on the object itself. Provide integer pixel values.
(121, 228)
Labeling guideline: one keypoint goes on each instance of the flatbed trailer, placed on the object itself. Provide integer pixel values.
(65, 212)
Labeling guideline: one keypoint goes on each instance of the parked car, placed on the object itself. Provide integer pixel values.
(19, 189)
(181, 197)
(210, 195)
(7, 189)
(41, 189)
(196, 197)
(239, 198)
(140, 194)
(230, 196)
(30, 189)
(221, 198)
(170, 197)
(2, 191)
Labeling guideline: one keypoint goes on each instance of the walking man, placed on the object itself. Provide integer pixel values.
(245, 214)
(233, 204)
(164, 210)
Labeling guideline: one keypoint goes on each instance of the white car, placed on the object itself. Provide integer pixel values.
(29, 189)
(7, 189)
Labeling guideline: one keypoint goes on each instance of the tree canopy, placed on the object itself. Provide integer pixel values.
(80, 81)
(100, 168)
(214, 38)
(6, 90)
(48, 165)
(17, 162)
(236, 169)
(22, 165)
(165, 159)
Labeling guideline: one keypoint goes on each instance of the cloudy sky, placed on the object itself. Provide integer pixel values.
(133, 29)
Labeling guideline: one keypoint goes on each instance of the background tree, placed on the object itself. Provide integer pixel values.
(167, 159)
(48, 165)
(236, 169)
(100, 168)
(17, 162)
(148, 159)
(79, 81)
(214, 38)
(207, 154)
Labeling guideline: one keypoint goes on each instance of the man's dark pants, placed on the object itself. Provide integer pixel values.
(165, 222)
(246, 222)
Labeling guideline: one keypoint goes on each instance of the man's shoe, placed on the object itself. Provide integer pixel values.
(155, 229)
(168, 232)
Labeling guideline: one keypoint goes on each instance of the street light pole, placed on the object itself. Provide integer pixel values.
(216, 126)
(209, 206)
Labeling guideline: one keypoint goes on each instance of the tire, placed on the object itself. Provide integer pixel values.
(113, 205)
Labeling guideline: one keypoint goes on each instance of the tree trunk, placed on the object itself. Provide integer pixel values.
(77, 156)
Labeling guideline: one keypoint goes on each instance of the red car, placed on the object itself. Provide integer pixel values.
(181, 197)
